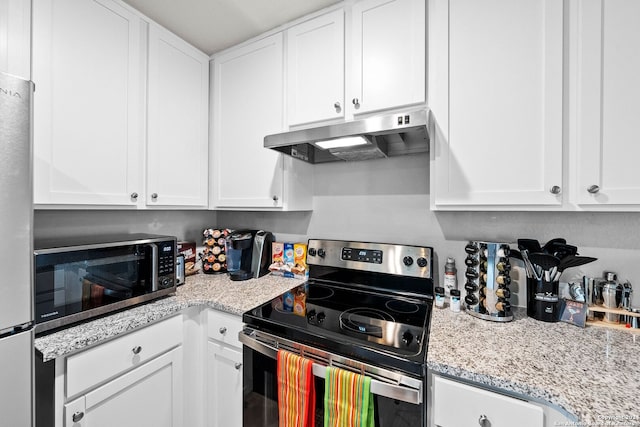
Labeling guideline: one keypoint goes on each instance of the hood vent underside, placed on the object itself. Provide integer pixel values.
(381, 136)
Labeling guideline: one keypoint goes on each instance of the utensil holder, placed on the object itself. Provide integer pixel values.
(542, 299)
(487, 281)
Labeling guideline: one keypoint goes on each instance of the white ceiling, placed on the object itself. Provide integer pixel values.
(213, 25)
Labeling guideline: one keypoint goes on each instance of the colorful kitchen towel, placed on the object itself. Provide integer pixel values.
(296, 391)
(348, 401)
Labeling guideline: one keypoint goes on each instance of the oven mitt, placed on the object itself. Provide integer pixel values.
(296, 391)
(348, 401)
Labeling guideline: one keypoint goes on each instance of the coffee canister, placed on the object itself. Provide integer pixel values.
(488, 276)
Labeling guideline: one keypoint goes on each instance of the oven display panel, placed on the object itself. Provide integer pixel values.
(362, 255)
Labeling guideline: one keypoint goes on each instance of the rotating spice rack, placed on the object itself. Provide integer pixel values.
(488, 277)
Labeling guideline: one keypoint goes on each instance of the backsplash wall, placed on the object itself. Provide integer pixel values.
(388, 201)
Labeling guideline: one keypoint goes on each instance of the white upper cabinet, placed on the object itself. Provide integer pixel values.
(247, 105)
(376, 57)
(107, 82)
(15, 38)
(605, 123)
(315, 69)
(87, 105)
(177, 121)
(388, 55)
(495, 92)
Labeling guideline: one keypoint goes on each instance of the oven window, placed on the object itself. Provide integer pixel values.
(260, 406)
(71, 282)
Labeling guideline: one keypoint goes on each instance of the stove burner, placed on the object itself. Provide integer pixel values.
(348, 320)
(319, 292)
(403, 307)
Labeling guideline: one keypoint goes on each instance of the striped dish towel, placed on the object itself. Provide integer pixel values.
(348, 401)
(296, 391)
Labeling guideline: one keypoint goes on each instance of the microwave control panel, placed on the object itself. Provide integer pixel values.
(166, 264)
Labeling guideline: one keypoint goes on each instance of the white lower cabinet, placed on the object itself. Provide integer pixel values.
(134, 380)
(224, 370)
(455, 404)
(148, 396)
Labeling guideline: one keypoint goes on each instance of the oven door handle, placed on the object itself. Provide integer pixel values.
(392, 391)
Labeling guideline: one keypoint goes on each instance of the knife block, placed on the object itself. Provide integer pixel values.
(487, 281)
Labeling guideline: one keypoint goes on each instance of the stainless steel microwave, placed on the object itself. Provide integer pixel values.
(81, 278)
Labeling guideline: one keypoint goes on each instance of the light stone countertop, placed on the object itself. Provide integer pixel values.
(213, 290)
(592, 374)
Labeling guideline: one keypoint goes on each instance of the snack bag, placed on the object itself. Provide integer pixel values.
(300, 258)
(277, 256)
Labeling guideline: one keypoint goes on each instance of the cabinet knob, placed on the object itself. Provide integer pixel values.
(555, 190)
(134, 196)
(154, 196)
(136, 350)
(337, 106)
(593, 189)
(356, 102)
(275, 198)
(77, 416)
(238, 365)
(483, 421)
(223, 330)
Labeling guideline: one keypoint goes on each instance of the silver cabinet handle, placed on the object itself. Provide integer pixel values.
(238, 365)
(275, 198)
(555, 190)
(77, 416)
(223, 330)
(154, 196)
(136, 350)
(483, 421)
(593, 189)
(337, 106)
(356, 102)
(134, 195)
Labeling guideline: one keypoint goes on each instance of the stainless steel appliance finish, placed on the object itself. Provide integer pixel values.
(391, 384)
(367, 309)
(16, 219)
(84, 277)
(385, 135)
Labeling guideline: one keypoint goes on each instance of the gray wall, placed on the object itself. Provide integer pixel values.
(388, 201)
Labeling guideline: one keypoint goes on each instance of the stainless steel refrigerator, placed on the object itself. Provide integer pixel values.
(16, 253)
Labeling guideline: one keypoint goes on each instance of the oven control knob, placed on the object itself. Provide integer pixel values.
(312, 251)
(407, 261)
(407, 337)
(311, 316)
(321, 253)
(422, 262)
(320, 317)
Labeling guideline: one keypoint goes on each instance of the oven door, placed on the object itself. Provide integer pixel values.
(398, 398)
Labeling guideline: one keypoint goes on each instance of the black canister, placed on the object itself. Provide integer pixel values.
(542, 300)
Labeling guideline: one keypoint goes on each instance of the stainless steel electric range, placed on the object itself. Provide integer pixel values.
(366, 307)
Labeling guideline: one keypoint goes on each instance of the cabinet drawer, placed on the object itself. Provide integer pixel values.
(224, 327)
(93, 366)
(479, 404)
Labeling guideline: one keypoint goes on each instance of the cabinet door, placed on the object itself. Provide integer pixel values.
(149, 396)
(495, 82)
(388, 53)
(177, 106)
(224, 384)
(496, 409)
(315, 69)
(247, 106)
(15, 38)
(87, 126)
(606, 103)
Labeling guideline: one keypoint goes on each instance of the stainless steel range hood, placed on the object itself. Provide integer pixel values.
(382, 136)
